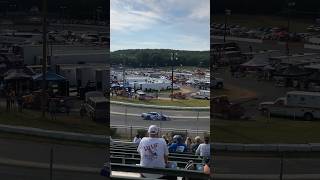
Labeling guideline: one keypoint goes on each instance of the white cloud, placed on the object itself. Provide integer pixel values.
(171, 22)
(202, 11)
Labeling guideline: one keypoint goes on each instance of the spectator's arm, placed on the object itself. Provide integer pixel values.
(166, 159)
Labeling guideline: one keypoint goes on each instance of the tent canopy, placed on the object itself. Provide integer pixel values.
(50, 76)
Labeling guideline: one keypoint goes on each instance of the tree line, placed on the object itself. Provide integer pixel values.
(270, 7)
(159, 58)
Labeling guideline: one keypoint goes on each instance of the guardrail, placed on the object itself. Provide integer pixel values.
(164, 171)
(238, 147)
(130, 131)
(161, 107)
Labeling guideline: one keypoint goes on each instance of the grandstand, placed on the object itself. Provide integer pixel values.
(124, 160)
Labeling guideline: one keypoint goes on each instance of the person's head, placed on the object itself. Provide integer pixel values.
(153, 131)
(206, 140)
(188, 140)
(177, 139)
(197, 139)
(137, 136)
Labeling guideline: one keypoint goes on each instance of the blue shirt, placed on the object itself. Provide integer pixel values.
(174, 147)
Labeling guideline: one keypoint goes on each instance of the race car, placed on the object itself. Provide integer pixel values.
(154, 116)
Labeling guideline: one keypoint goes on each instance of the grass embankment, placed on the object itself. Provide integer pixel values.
(262, 130)
(234, 92)
(71, 123)
(161, 102)
(296, 25)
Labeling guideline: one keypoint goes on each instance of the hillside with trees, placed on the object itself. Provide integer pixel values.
(159, 58)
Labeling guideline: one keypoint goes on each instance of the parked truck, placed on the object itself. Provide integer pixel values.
(202, 94)
(296, 104)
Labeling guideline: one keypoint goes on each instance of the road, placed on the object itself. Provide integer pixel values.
(183, 120)
(39, 152)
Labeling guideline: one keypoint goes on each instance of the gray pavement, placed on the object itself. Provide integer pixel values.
(62, 154)
(265, 165)
(21, 173)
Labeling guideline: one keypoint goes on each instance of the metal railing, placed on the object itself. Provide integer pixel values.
(164, 171)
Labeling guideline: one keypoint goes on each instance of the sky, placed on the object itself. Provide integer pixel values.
(160, 24)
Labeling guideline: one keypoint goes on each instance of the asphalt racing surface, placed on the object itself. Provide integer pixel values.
(178, 119)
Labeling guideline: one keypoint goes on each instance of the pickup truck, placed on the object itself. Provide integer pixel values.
(296, 104)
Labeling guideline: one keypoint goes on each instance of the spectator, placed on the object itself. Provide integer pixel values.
(52, 108)
(20, 103)
(137, 139)
(197, 140)
(8, 101)
(153, 151)
(177, 145)
(206, 167)
(204, 149)
(12, 98)
(165, 138)
(189, 144)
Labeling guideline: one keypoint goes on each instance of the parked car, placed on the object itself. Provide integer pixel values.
(154, 116)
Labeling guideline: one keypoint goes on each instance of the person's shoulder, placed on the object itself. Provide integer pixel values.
(145, 138)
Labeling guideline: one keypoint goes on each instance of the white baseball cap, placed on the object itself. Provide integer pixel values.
(153, 129)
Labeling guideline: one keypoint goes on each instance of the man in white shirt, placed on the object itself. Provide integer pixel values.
(204, 149)
(153, 151)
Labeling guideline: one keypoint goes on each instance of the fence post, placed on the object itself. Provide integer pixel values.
(281, 166)
(197, 122)
(131, 129)
(51, 162)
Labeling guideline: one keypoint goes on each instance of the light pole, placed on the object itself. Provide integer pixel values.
(174, 56)
(227, 13)
(99, 11)
(44, 56)
(290, 5)
(63, 8)
(123, 70)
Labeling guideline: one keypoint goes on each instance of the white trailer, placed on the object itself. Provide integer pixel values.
(296, 104)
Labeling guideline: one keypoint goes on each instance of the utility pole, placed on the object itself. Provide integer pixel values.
(290, 4)
(44, 57)
(173, 57)
(227, 13)
(62, 8)
(123, 71)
